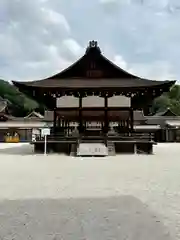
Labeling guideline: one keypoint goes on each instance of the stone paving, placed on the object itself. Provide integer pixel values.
(58, 197)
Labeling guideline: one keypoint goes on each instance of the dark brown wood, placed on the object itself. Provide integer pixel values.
(68, 109)
(105, 115)
(80, 114)
(132, 119)
(102, 84)
(55, 118)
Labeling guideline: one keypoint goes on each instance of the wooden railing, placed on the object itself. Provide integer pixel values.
(118, 137)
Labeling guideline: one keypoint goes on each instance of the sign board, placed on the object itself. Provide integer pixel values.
(33, 138)
(92, 149)
(45, 131)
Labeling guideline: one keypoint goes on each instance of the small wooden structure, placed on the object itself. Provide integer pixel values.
(16, 129)
(166, 113)
(94, 101)
(34, 116)
(169, 123)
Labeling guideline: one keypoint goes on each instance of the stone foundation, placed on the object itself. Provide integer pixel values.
(124, 148)
(64, 148)
(144, 148)
(70, 149)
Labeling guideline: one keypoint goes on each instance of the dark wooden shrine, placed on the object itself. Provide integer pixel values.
(94, 100)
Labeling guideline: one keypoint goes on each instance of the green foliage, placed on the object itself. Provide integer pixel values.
(18, 103)
(168, 100)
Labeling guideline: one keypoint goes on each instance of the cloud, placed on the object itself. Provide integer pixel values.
(31, 36)
(41, 37)
(71, 49)
(160, 70)
(119, 61)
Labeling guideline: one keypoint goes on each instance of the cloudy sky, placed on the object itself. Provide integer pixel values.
(41, 37)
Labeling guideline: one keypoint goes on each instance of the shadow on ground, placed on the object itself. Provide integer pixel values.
(25, 149)
(115, 218)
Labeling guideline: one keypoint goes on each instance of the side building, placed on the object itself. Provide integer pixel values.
(169, 123)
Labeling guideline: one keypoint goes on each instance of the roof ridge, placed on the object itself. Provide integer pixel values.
(35, 113)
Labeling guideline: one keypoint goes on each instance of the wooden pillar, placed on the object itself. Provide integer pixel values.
(68, 128)
(59, 122)
(54, 120)
(80, 113)
(106, 124)
(132, 119)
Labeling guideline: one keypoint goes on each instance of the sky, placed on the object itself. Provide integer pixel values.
(39, 38)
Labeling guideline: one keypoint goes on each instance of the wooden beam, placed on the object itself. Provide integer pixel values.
(93, 108)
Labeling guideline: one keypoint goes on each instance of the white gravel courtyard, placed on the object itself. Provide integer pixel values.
(138, 195)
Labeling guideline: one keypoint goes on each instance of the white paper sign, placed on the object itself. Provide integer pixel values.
(33, 138)
(35, 131)
(45, 131)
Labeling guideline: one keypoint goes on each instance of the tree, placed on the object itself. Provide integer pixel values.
(168, 100)
(18, 103)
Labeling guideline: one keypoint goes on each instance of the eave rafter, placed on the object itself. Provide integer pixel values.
(129, 92)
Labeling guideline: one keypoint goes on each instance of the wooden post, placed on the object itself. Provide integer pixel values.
(80, 113)
(132, 119)
(45, 145)
(106, 114)
(54, 120)
(59, 122)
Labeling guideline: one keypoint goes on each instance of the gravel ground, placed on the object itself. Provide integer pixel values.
(58, 197)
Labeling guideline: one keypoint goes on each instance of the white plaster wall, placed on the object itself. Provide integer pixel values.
(93, 101)
(119, 101)
(67, 101)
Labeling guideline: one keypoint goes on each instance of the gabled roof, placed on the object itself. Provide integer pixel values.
(34, 114)
(93, 70)
(93, 59)
(167, 112)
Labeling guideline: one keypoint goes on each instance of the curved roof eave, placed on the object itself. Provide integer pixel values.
(34, 84)
(124, 79)
(81, 59)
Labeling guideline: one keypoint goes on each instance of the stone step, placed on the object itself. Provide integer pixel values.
(92, 149)
(73, 152)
